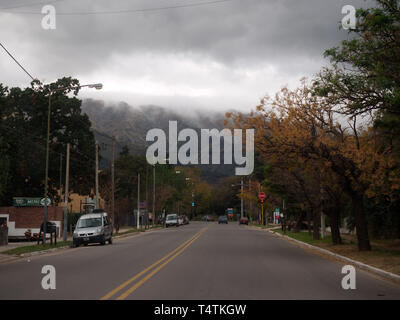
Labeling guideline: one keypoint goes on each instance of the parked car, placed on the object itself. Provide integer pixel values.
(171, 220)
(93, 228)
(244, 220)
(223, 219)
(185, 220)
(180, 220)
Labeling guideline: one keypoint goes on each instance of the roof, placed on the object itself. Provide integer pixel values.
(93, 215)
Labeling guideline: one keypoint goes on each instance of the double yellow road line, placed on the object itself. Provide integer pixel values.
(157, 266)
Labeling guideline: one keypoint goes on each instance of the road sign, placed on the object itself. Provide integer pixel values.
(192, 204)
(48, 201)
(262, 196)
(29, 202)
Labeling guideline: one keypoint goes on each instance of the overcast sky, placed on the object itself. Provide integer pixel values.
(217, 55)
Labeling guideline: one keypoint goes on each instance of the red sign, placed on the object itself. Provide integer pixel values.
(262, 196)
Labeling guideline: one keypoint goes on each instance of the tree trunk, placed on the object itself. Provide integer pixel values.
(315, 225)
(334, 217)
(361, 223)
(299, 221)
(309, 223)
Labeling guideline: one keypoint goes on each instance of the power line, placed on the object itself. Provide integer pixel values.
(17, 62)
(194, 4)
(30, 4)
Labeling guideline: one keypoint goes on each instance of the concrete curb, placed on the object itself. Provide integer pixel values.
(380, 272)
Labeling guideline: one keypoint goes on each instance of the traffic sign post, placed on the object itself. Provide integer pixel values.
(262, 212)
(262, 197)
(276, 215)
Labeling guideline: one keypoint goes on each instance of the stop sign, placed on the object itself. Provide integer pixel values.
(262, 196)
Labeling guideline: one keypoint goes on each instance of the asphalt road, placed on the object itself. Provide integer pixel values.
(197, 261)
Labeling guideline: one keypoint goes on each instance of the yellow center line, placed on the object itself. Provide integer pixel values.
(129, 281)
(139, 283)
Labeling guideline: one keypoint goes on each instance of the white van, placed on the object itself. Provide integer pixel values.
(171, 220)
(93, 228)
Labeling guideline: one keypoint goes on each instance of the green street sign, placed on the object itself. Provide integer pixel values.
(30, 202)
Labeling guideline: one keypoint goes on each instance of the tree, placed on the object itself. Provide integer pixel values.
(24, 129)
(297, 129)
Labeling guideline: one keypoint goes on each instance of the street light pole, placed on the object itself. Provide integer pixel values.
(113, 188)
(154, 193)
(66, 196)
(241, 198)
(97, 86)
(47, 170)
(138, 203)
(97, 175)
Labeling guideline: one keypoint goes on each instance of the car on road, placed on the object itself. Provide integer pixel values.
(222, 219)
(93, 228)
(171, 220)
(180, 220)
(208, 218)
(244, 220)
(185, 220)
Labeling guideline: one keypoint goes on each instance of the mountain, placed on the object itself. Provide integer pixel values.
(129, 125)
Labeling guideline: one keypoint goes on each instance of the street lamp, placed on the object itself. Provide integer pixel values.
(97, 86)
(154, 218)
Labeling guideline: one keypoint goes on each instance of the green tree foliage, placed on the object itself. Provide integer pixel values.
(364, 79)
(24, 129)
(365, 72)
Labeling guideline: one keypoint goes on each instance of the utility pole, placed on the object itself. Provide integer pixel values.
(138, 202)
(250, 200)
(66, 196)
(323, 227)
(146, 194)
(61, 163)
(154, 194)
(241, 198)
(97, 176)
(283, 216)
(112, 184)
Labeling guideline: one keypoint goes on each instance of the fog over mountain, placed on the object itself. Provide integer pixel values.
(129, 125)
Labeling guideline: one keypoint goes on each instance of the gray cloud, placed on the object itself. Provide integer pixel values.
(221, 46)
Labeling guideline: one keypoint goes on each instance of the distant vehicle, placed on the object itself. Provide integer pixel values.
(244, 220)
(93, 228)
(223, 219)
(180, 220)
(171, 220)
(208, 218)
(185, 220)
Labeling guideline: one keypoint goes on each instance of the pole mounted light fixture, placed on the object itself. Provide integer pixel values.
(97, 86)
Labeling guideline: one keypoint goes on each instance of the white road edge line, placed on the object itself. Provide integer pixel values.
(382, 273)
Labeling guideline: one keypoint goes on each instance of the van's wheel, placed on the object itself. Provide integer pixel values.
(75, 245)
(85, 244)
(110, 241)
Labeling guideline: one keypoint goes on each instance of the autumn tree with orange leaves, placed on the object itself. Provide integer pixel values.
(300, 133)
